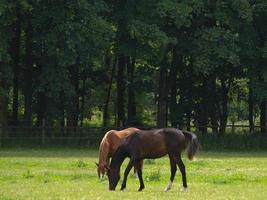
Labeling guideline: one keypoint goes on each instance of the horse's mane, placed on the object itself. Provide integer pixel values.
(104, 149)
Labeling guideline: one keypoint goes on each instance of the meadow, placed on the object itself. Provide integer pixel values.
(71, 174)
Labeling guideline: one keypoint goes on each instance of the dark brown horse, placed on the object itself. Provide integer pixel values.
(152, 144)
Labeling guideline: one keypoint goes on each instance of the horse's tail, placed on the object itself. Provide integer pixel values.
(192, 142)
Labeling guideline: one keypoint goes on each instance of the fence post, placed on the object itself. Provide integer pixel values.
(43, 131)
(265, 118)
(1, 134)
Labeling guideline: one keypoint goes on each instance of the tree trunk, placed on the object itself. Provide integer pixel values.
(15, 54)
(238, 104)
(62, 112)
(188, 120)
(265, 124)
(106, 105)
(77, 92)
(132, 120)
(224, 107)
(82, 100)
(263, 120)
(163, 95)
(176, 61)
(28, 72)
(120, 91)
(73, 112)
(203, 108)
(3, 106)
(3, 115)
(213, 111)
(41, 100)
(251, 109)
(41, 108)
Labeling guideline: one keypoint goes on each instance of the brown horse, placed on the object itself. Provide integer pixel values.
(108, 146)
(152, 144)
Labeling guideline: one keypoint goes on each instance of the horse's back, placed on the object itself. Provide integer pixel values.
(155, 143)
(173, 134)
(175, 139)
(114, 138)
(126, 132)
(145, 144)
(157, 135)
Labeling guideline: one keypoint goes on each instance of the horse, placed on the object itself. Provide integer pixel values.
(152, 144)
(109, 144)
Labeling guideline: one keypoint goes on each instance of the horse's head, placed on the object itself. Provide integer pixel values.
(113, 177)
(101, 170)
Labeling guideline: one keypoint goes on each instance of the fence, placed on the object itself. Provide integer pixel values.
(236, 137)
(52, 136)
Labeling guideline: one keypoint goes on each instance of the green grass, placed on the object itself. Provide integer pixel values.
(71, 174)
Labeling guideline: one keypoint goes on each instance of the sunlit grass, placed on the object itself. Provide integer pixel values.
(71, 174)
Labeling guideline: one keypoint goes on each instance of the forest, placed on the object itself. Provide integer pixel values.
(143, 63)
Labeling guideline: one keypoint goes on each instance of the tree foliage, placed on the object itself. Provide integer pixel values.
(66, 61)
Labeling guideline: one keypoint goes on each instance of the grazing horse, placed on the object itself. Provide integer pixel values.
(152, 144)
(108, 146)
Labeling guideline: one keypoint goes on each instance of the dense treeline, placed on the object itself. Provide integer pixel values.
(152, 62)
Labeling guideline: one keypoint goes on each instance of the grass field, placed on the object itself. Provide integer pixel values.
(71, 174)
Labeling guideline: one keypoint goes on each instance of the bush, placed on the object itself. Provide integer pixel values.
(233, 142)
(154, 175)
(28, 174)
(80, 163)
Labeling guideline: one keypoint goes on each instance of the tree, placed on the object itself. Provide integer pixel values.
(218, 47)
(15, 54)
(6, 20)
(259, 17)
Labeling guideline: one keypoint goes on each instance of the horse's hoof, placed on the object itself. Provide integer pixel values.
(169, 186)
(140, 189)
(166, 189)
(184, 189)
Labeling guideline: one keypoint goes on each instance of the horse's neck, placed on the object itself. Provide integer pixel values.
(118, 158)
(103, 153)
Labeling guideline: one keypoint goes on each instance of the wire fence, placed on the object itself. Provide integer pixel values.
(90, 137)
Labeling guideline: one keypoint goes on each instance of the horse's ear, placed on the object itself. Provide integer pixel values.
(97, 164)
(107, 167)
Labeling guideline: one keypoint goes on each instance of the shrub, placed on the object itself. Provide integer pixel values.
(28, 174)
(154, 175)
(81, 163)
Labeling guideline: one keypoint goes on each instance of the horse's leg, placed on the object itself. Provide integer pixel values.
(173, 172)
(135, 168)
(138, 167)
(126, 172)
(141, 164)
(182, 169)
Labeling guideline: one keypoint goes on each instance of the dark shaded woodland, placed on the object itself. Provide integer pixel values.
(133, 63)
